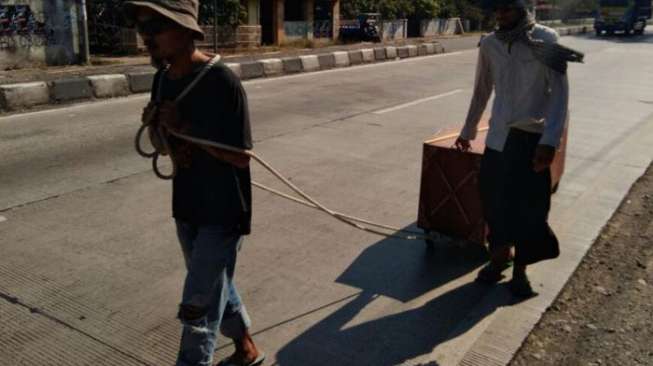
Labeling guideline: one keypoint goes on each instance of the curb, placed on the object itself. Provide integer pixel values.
(379, 54)
(140, 82)
(326, 61)
(17, 97)
(272, 67)
(309, 63)
(110, 86)
(67, 90)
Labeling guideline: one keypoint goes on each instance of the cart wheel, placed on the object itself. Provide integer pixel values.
(430, 244)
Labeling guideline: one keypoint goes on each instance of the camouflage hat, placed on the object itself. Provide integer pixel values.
(183, 12)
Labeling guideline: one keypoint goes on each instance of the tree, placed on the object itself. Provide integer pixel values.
(395, 9)
(351, 8)
(472, 10)
(426, 9)
(391, 9)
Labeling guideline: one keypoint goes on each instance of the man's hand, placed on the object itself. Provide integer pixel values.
(148, 112)
(169, 116)
(544, 155)
(463, 145)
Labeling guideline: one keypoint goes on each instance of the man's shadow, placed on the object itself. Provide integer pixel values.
(402, 271)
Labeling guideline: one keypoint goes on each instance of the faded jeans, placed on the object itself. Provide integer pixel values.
(210, 253)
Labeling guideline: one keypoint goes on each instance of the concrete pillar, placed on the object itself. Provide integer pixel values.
(336, 19)
(253, 12)
(278, 21)
(309, 16)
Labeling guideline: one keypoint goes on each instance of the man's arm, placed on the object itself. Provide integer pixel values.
(170, 118)
(236, 159)
(555, 121)
(558, 109)
(483, 87)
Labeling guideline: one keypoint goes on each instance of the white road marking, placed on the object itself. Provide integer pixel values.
(3, 219)
(418, 101)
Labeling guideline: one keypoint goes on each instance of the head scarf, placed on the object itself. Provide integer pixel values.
(551, 54)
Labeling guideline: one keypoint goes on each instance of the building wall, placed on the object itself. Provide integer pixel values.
(39, 32)
(288, 20)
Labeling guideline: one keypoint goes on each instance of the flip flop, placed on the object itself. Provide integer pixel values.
(257, 362)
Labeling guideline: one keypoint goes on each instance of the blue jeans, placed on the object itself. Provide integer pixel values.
(210, 300)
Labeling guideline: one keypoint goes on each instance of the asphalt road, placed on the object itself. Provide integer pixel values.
(90, 271)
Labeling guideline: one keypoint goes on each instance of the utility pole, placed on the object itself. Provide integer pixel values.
(85, 50)
(215, 26)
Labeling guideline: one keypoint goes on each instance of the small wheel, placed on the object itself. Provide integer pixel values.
(430, 243)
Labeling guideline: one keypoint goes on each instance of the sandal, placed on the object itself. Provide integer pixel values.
(228, 362)
(520, 287)
(491, 273)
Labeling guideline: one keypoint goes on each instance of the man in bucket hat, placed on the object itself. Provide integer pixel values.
(525, 66)
(212, 187)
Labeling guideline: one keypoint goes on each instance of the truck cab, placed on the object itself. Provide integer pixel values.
(626, 16)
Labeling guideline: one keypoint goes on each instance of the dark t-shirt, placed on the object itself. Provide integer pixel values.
(207, 191)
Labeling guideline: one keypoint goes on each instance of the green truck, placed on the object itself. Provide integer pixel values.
(624, 16)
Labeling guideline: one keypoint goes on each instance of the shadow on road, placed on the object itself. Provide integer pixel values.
(402, 271)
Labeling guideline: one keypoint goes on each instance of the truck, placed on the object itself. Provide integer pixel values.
(624, 16)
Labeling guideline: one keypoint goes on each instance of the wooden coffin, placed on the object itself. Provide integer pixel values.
(449, 195)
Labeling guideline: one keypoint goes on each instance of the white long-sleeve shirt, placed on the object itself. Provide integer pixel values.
(528, 95)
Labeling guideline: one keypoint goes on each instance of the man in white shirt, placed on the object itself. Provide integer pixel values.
(526, 68)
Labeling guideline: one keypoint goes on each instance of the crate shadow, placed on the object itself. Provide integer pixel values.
(403, 271)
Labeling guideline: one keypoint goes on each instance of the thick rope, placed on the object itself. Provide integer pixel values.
(306, 199)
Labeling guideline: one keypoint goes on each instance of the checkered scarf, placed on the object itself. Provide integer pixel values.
(553, 55)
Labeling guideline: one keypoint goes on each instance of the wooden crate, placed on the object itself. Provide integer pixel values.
(450, 201)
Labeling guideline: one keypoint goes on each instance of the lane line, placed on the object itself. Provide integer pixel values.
(418, 101)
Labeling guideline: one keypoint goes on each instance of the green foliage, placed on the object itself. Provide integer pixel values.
(391, 9)
(230, 12)
(425, 9)
(467, 9)
(395, 9)
(351, 8)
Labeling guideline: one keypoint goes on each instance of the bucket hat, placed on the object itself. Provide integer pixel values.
(183, 12)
